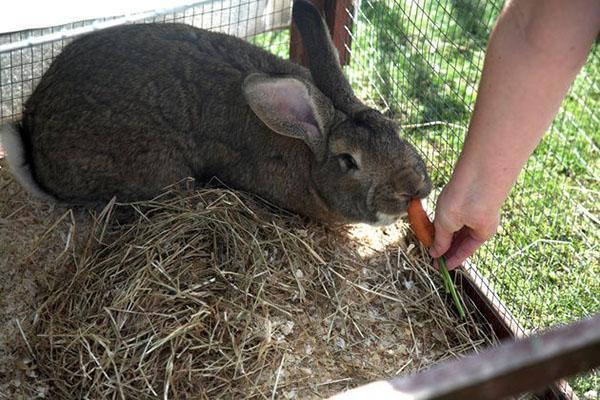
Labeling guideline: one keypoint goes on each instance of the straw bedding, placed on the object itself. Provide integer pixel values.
(211, 294)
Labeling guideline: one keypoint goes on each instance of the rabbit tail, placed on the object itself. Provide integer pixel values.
(12, 140)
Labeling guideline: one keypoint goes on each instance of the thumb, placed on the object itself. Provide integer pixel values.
(442, 239)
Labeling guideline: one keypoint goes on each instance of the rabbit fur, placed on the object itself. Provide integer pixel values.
(129, 110)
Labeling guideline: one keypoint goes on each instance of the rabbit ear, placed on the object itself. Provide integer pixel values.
(287, 106)
(323, 58)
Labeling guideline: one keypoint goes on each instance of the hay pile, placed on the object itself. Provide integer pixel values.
(214, 294)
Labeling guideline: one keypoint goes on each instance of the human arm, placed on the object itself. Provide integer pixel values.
(535, 51)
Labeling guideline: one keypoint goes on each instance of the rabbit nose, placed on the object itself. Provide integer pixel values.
(412, 184)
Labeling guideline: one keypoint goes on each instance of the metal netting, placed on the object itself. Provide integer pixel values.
(419, 62)
(25, 55)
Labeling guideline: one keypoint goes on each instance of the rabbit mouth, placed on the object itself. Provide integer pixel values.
(381, 215)
(383, 219)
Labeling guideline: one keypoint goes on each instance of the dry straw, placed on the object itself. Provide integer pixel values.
(214, 294)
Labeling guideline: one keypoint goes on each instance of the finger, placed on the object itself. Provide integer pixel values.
(457, 240)
(462, 249)
(442, 239)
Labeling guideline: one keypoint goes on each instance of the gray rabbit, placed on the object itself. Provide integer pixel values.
(130, 110)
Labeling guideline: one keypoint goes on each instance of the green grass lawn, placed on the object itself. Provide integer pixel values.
(419, 62)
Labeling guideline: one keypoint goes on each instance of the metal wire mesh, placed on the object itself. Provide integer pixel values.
(419, 62)
(25, 55)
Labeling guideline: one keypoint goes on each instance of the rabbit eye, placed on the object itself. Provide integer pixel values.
(347, 162)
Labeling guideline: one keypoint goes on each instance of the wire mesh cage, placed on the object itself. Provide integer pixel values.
(419, 62)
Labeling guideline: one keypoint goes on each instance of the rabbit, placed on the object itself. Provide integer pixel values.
(126, 111)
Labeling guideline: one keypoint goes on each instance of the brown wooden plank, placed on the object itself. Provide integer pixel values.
(339, 19)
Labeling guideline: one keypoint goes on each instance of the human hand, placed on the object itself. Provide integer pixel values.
(462, 224)
(533, 55)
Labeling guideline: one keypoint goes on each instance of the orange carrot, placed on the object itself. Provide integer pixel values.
(420, 223)
(425, 232)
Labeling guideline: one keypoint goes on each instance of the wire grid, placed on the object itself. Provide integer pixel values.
(263, 22)
(419, 62)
